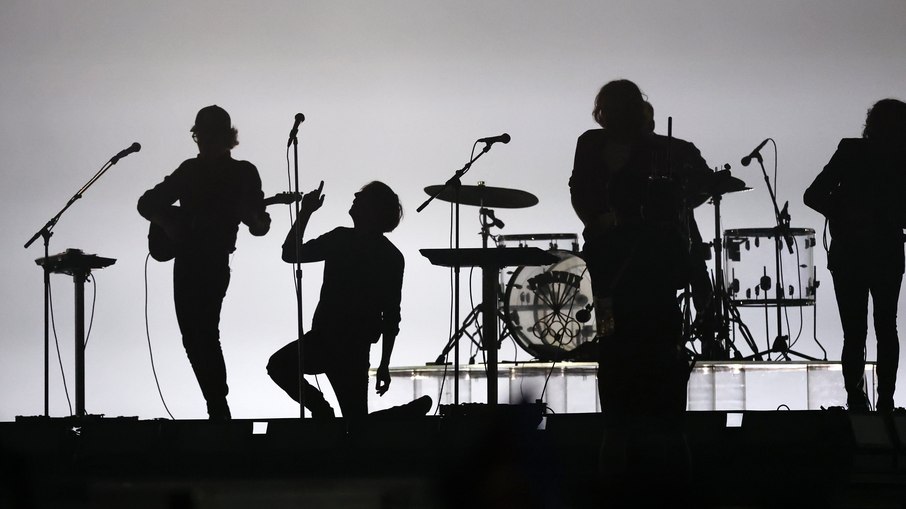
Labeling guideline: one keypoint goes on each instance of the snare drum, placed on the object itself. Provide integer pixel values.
(750, 267)
(548, 309)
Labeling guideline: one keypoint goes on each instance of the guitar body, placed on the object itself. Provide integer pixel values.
(163, 249)
(160, 246)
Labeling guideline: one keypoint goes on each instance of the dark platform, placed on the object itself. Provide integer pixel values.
(480, 459)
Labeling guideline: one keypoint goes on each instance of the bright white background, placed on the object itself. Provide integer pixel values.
(391, 90)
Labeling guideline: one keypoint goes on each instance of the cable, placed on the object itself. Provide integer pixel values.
(56, 341)
(148, 336)
(94, 296)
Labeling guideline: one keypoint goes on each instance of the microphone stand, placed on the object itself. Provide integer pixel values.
(45, 233)
(782, 232)
(456, 182)
(297, 272)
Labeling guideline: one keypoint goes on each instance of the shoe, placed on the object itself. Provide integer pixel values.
(324, 412)
(857, 403)
(421, 406)
(219, 411)
(885, 405)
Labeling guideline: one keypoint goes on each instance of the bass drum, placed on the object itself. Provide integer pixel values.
(548, 309)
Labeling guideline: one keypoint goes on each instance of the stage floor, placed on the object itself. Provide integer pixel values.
(475, 456)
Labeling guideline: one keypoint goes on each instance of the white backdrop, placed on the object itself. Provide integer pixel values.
(396, 91)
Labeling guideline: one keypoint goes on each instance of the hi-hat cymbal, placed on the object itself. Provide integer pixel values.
(717, 184)
(486, 196)
(722, 183)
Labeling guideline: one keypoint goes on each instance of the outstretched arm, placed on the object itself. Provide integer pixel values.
(311, 202)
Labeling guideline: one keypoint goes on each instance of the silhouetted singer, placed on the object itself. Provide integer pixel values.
(628, 186)
(860, 192)
(215, 193)
(359, 303)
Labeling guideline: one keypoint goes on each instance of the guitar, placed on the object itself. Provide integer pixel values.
(163, 248)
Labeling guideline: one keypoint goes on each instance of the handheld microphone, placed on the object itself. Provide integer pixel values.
(503, 138)
(754, 154)
(135, 147)
(295, 130)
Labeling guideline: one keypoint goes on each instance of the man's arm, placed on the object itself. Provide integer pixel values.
(391, 325)
(311, 202)
(156, 204)
(819, 196)
(254, 215)
(383, 371)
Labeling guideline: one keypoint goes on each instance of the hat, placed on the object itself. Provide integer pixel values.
(212, 119)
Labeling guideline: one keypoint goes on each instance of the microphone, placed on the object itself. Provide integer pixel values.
(295, 130)
(503, 138)
(135, 147)
(755, 153)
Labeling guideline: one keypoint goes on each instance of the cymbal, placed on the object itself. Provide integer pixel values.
(718, 184)
(486, 196)
(724, 183)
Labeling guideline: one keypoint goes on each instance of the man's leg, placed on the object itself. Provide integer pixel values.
(199, 287)
(885, 293)
(852, 302)
(283, 368)
(348, 375)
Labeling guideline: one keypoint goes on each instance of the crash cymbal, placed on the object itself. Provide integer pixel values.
(486, 196)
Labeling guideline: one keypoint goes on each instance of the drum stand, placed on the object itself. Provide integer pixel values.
(488, 219)
(714, 331)
(472, 320)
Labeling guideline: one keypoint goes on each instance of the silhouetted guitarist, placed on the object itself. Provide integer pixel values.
(215, 193)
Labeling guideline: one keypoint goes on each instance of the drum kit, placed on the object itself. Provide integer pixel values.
(546, 303)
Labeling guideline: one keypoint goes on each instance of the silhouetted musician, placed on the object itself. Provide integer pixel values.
(216, 193)
(860, 192)
(359, 304)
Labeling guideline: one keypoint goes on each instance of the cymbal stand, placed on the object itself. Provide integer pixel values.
(723, 307)
(455, 182)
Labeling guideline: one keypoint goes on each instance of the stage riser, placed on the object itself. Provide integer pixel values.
(571, 387)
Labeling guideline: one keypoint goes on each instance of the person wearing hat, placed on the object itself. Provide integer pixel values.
(216, 193)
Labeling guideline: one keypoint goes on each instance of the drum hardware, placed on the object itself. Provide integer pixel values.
(713, 329)
(470, 321)
(490, 260)
(552, 239)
